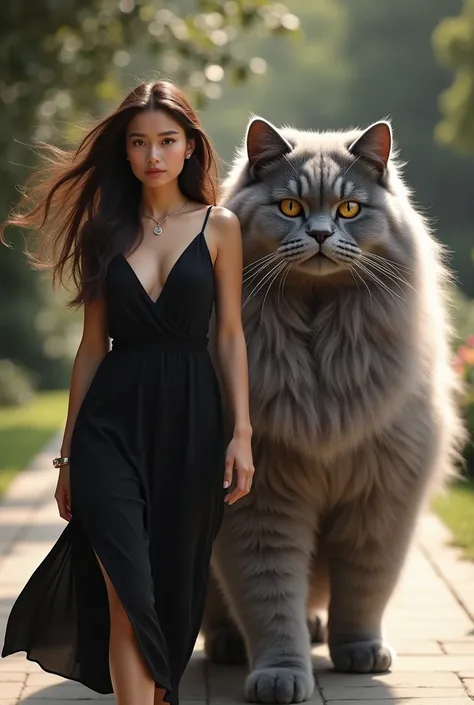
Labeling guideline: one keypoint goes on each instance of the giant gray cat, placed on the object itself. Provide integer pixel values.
(352, 397)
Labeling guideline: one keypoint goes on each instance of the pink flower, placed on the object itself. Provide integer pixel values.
(462, 353)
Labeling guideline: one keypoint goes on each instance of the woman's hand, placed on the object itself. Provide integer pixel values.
(239, 455)
(63, 493)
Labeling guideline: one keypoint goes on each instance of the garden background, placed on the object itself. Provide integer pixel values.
(320, 65)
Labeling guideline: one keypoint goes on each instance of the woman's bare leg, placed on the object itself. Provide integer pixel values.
(131, 679)
(159, 692)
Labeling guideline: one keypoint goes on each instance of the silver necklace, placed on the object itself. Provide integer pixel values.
(158, 230)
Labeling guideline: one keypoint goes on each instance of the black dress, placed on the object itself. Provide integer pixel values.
(147, 470)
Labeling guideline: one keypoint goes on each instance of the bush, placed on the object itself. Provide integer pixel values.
(17, 384)
(465, 367)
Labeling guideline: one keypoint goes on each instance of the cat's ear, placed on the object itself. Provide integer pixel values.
(264, 143)
(374, 145)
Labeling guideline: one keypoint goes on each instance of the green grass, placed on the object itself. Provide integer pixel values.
(456, 509)
(26, 429)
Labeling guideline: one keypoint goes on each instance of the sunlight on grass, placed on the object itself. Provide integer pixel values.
(25, 430)
(456, 509)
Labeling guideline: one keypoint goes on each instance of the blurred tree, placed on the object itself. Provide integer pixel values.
(453, 41)
(60, 60)
(302, 81)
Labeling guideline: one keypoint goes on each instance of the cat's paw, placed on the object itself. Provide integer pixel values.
(225, 646)
(373, 656)
(279, 685)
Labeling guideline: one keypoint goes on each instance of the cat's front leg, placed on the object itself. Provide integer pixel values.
(261, 557)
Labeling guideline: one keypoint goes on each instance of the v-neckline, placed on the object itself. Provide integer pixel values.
(180, 256)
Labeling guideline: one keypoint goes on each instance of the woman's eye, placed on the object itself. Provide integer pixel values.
(137, 143)
(290, 207)
(349, 209)
(169, 140)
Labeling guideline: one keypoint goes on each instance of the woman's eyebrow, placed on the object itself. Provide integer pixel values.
(160, 134)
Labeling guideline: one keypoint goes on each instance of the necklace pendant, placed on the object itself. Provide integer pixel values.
(158, 230)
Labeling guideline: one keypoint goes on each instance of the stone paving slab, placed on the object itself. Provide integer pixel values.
(430, 620)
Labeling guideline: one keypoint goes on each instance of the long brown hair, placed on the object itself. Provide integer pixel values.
(83, 202)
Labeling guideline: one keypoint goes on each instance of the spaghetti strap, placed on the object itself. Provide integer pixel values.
(205, 219)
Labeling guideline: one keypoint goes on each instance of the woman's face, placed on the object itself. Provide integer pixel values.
(156, 147)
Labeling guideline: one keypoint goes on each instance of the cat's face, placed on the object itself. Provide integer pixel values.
(319, 203)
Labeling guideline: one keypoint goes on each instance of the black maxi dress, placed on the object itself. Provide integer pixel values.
(147, 469)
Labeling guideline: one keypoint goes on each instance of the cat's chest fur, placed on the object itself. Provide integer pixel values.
(318, 367)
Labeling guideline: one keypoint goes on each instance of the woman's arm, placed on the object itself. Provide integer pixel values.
(231, 346)
(92, 349)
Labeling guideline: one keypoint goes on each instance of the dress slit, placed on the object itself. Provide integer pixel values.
(161, 681)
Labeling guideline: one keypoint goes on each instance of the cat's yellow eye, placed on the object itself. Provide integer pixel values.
(290, 207)
(349, 209)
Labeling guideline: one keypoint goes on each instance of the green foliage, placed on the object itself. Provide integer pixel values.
(62, 60)
(462, 315)
(17, 384)
(453, 41)
(300, 82)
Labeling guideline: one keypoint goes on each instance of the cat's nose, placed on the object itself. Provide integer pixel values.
(320, 235)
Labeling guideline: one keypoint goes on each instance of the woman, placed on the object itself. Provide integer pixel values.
(144, 472)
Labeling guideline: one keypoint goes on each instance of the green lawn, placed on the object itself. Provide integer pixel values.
(24, 431)
(456, 509)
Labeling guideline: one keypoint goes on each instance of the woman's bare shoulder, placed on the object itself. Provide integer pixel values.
(225, 224)
(223, 217)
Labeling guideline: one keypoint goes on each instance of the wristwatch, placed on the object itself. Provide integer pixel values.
(58, 462)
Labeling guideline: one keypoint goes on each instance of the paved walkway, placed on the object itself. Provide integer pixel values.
(430, 621)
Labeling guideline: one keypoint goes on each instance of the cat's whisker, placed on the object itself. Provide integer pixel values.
(386, 264)
(282, 281)
(386, 276)
(291, 165)
(378, 281)
(350, 167)
(371, 275)
(257, 262)
(262, 282)
(269, 287)
(391, 263)
(354, 271)
(390, 275)
(386, 267)
(351, 271)
(249, 277)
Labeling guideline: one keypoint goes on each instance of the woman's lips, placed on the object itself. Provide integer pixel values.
(154, 171)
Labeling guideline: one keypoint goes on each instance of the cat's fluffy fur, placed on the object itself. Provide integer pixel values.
(352, 396)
